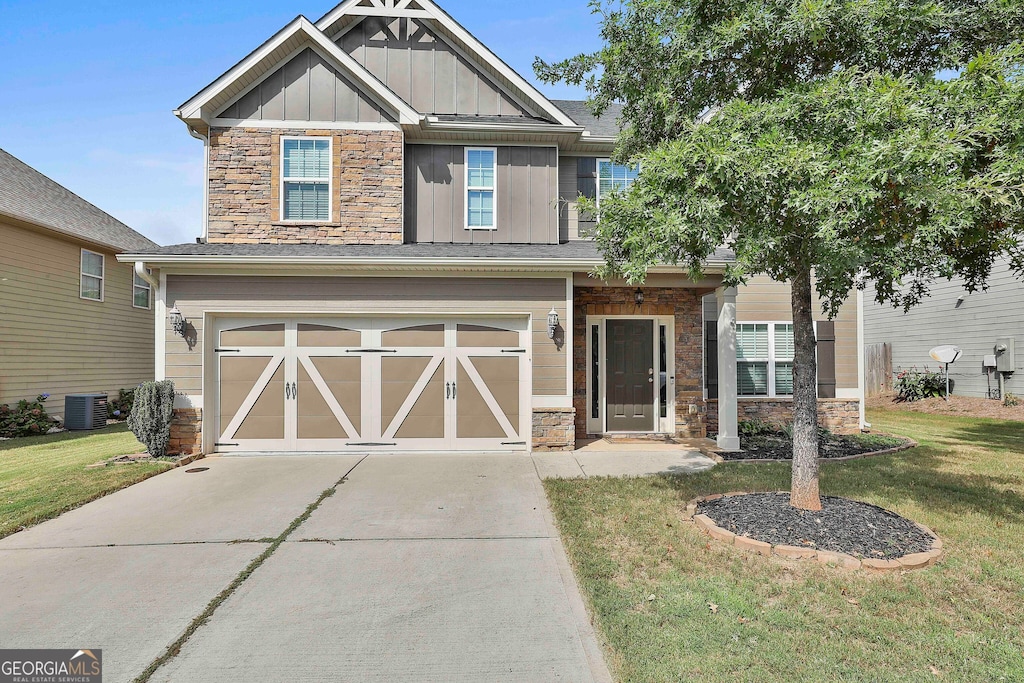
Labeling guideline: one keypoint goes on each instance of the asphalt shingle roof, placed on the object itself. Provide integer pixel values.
(577, 110)
(28, 195)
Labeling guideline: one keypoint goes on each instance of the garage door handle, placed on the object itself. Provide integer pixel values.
(371, 350)
(447, 390)
(513, 350)
(453, 389)
(295, 390)
(287, 390)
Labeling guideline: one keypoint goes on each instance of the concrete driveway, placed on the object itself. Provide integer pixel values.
(384, 568)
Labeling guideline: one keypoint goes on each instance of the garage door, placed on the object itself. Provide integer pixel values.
(342, 385)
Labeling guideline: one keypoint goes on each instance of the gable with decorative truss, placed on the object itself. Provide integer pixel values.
(424, 70)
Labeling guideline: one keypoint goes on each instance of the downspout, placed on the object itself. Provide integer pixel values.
(864, 424)
(206, 179)
(140, 270)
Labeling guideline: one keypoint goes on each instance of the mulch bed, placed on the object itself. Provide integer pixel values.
(964, 406)
(842, 525)
(780, 447)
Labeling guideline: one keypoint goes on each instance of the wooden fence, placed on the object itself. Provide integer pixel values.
(877, 369)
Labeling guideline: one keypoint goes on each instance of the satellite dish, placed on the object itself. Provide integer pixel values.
(945, 354)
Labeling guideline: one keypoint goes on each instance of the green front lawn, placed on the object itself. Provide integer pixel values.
(673, 605)
(43, 476)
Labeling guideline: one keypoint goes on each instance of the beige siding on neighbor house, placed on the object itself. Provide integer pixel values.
(51, 340)
(194, 295)
(526, 188)
(764, 299)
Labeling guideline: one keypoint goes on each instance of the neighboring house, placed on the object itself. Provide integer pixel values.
(979, 323)
(392, 259)
(72, 319)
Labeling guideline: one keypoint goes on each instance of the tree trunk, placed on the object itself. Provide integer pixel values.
(804, 489)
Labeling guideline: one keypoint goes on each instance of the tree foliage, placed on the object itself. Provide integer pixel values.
(856, 140)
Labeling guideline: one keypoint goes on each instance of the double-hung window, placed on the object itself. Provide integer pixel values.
(306, 179)
(613, 177)
(764, 359)
(91, 282)
(142, 293)
(481, 170)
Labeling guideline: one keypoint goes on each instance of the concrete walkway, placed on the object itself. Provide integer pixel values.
(426, 568)
(603, 459)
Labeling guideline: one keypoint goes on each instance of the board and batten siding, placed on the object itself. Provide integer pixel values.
(307, 88)
(51, 340)
(526, 187)
(424, 70)
(576, 176)
(289, 296)
(974, 325)
(765, 300)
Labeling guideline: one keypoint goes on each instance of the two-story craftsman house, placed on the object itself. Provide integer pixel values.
(392, 261)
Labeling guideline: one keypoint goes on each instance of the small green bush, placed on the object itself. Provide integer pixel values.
(914, 385)
(757, 427)
(150, 419)
(26, 418)
(121, 407)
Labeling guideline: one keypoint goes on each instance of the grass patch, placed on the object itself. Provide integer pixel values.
(962, 619)
(44, 476)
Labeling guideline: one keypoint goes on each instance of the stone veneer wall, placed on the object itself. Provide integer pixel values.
(554, 429)
(685, 305)
(839, 415)
(245, 188)
(186, 432)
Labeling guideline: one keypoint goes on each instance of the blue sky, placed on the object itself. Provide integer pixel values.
(88, 87)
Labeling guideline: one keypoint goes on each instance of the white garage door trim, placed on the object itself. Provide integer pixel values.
(269, 367)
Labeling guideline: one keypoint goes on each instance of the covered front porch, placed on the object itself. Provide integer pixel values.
(639, 359)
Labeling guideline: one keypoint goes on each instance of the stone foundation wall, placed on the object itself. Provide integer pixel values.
(186, 432)
(838, 415)
(554, 429)
(685, 305)
(245, 188)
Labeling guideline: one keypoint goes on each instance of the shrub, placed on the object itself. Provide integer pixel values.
(1010, 400)
(914, 385)
(26, 418)
(150, 419)
(121, 407)
(757, 427)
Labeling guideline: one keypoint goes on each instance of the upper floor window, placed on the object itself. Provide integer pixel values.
(481, 170)
(764, 359)
(142, 293)
(91, 284)
(306, 179)
(612, 177)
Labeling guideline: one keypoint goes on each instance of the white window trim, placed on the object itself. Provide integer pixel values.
(493, 189)
(146, 286)
(771, 360)
(102, 276)
(597, 189)
(330, 178)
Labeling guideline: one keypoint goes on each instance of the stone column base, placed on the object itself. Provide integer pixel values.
(554, 429)
(186, 432)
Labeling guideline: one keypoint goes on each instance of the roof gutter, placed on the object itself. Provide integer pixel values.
(409, 263)
(433, 123)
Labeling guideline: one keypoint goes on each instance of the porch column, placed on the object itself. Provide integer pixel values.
(728, 431)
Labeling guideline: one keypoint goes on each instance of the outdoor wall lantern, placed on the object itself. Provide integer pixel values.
(638, 296)
(552, 322)
(177, 321)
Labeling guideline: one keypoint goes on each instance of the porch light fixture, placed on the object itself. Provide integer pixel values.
(638, 296)
(177, 321)
(552, 322)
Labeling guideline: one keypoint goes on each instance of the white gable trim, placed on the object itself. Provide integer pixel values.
(483, 54)
(360, 76)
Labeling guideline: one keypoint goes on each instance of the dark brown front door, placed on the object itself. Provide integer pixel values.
(630, 375)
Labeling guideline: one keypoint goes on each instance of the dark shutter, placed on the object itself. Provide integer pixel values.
(826, 359)
(586, 177)
(711, 357)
